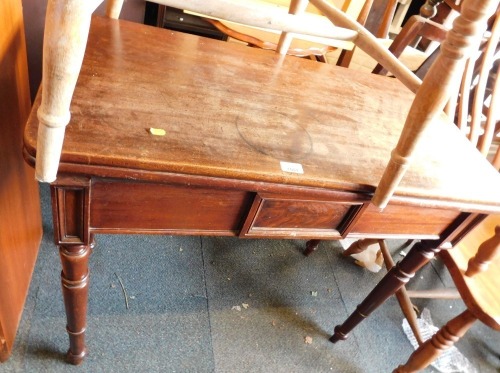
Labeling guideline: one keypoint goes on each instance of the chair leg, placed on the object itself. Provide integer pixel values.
(75, 285)
(399, 275)
(446, 337)
(402, 296)
(70, 207)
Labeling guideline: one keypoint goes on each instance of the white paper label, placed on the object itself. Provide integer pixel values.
(295, 168)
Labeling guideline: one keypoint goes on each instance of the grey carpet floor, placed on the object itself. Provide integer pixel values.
(211, 304)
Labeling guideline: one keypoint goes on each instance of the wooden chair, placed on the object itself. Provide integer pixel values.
(402, 46)
(54, 114)
(476, 276)
(473, 105)
(302, 45)
(472, 117)
(111, 173)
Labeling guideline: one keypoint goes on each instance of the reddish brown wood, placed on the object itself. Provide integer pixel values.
(380, 16)
(479, 292)
(311, 246)
(397, 277)
(404, 270)
(75, 283)
(400, 219)
(416, 27)
(20, 218)
(345, 57)
(231, 114)
(276, 213)
(294, 216)
(223, 137)
(445, 338)
(70, 203)
(267, 45)
(169, 208)
(429, 9)
(402, 296)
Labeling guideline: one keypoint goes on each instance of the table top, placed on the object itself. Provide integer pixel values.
(235, 112)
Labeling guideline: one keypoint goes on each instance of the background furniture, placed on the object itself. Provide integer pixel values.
(20, 218)
(470, 112)
(475, 273)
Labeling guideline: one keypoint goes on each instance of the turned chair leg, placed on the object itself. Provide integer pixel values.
(401, 295)
(75, 284)
(446, 337)
(70, 207)
(398, 276)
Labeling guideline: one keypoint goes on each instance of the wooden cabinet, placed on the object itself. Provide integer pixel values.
(20, 219)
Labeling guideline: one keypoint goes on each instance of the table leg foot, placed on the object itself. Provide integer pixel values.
(75, 359)
(445, 338)
(338, 336)
(311, 246)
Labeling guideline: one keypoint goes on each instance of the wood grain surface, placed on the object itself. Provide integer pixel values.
(234, 112)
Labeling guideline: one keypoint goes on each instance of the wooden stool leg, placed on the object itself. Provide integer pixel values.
(75, 283)
(399, 275)
(311, 246)
(446, 337)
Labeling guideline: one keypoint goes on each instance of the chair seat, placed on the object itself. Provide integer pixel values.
(479, 292)
(243, 111)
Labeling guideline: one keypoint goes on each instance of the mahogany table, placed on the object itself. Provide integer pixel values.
(232, 115)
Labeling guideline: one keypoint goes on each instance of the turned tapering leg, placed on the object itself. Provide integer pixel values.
(402, 296)
(70, 206)
(75, 284)
(399, 275)
(446, 337)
